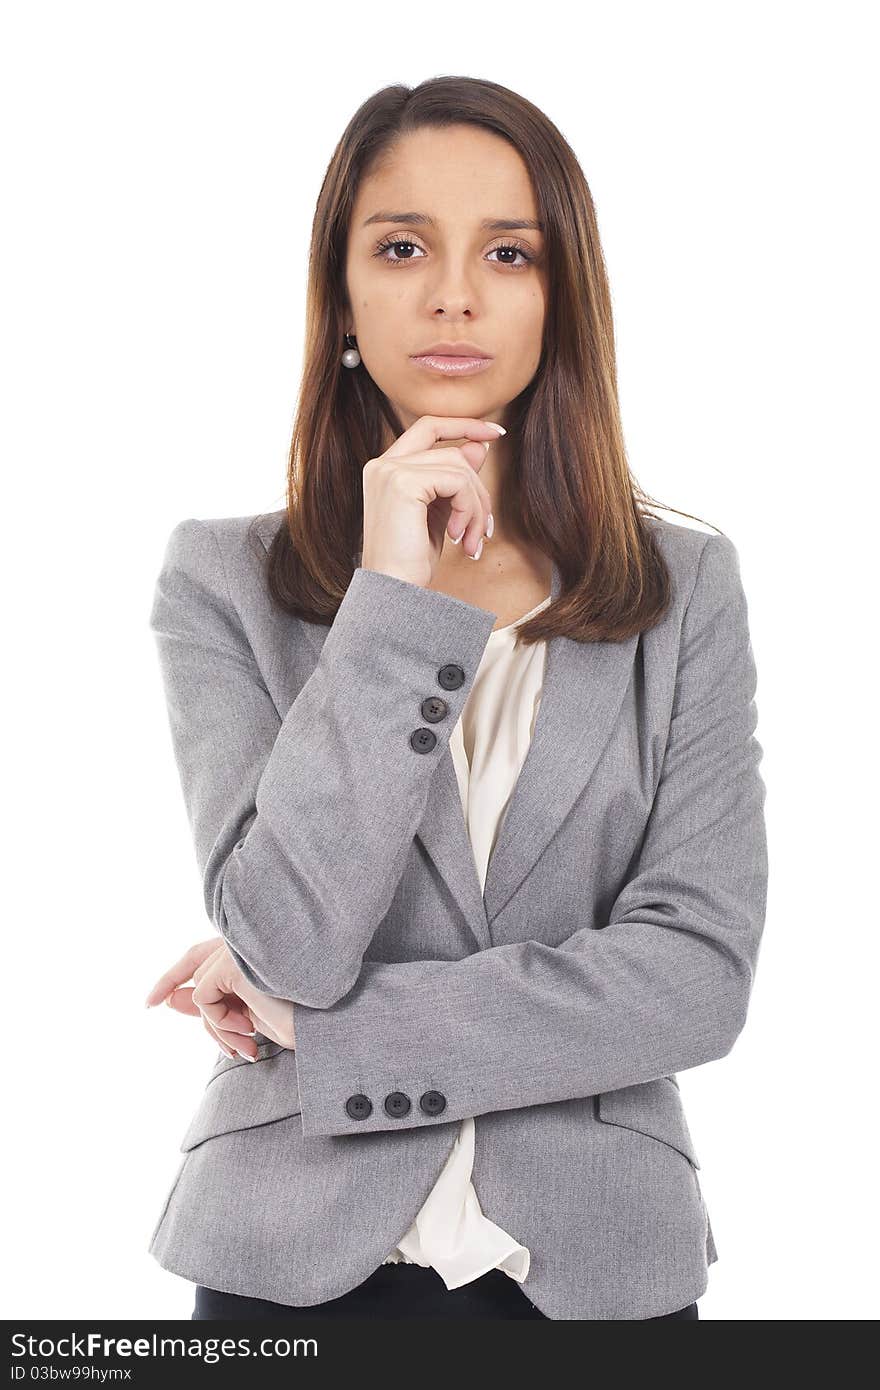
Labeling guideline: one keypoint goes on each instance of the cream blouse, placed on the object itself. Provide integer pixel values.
(488, 747)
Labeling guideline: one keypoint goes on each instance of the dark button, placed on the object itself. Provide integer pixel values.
(434, 709)
(433, 1102)
(451, 677)
(397, 1104)
(359, 1107)
(422, 740)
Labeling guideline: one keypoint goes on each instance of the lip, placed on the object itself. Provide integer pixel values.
(446, 348)
(452, 365)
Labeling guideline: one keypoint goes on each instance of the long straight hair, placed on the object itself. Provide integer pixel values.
(569, 489)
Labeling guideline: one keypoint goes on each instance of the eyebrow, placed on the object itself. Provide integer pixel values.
(488, 224)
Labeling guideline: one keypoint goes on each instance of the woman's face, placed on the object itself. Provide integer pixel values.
(413, 281)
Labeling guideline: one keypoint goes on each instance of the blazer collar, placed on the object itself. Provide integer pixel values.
(583, 689)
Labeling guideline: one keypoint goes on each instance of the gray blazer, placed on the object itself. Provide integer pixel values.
(615, 943)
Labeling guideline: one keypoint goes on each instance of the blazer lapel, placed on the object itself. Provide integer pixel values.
(584, 686)
(444, 835)
(583, 689)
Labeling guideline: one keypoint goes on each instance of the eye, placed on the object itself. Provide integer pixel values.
(520, 250)
(406, 243)
(395, 245)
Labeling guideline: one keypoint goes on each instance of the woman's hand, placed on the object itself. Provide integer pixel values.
(218, 978)
(239, 1024)
(229, 1005)
(415, 494)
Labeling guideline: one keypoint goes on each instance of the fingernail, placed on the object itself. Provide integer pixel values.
(486, 443)
(479, 550)
(456, 540)
(490, 526)
(499, 428)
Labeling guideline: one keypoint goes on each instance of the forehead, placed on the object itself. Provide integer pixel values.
(453, 175)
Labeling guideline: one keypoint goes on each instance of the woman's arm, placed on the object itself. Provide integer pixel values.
(302, 824)
(663, 986)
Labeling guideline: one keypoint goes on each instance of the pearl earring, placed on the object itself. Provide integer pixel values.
(351, 357)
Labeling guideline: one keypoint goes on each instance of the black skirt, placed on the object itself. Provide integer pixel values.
(397, 1291)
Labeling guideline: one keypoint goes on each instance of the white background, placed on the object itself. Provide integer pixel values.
(160, 167)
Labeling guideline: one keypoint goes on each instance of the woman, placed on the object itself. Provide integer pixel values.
(465, 976)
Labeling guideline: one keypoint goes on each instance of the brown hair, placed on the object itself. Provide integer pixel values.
(569, 488)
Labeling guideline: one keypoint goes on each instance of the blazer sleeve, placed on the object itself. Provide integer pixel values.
(302, 824)
(662, 986)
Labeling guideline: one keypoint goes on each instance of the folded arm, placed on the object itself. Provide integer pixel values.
(302, 824)
(662, 986)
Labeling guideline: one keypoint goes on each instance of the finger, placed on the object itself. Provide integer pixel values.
(429, 428)
(260, 1024)
(468, 528)
(468, 499)
(456, 457)
(239, 1046)
(212, 1032)
(181, 1001)
(181, 971)
(209, 962)
(212, 996)
(238, 1020)
(448, 519)
(232, 1045)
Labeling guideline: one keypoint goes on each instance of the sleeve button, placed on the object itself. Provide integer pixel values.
(434, 709)
(422, 740)
(432, 1102)
(397, 1104)
(451, 676)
